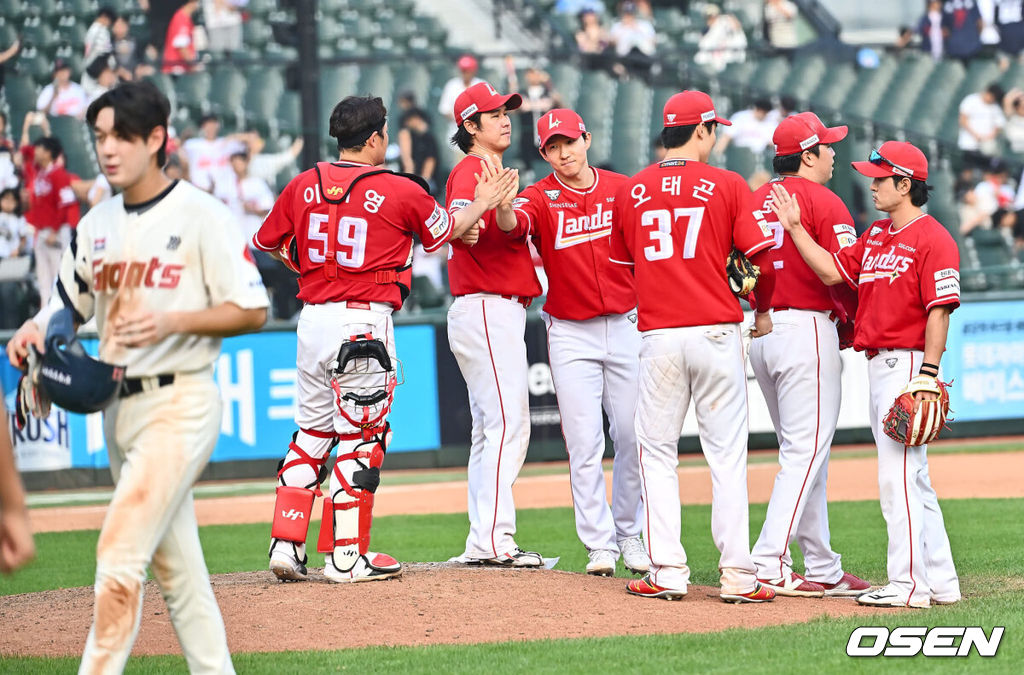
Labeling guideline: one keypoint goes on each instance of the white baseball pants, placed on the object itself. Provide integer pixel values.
(799, 369)
(594, 364)
(919, 562)
(705, 364)
(159, 441)
(486, 334)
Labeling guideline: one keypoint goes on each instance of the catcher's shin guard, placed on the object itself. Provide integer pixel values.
(350, 510)
(294, 504)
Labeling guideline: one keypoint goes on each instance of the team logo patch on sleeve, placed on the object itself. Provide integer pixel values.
(459, 204)
(947, 283)
(438, 222)
(553, 195)
(845, 234)
(520, 202)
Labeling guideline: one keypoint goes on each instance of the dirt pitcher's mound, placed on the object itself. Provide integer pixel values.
(432, 603)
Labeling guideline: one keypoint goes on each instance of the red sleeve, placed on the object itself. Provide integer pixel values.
(279, 223)
(67, 203)
(940, 273)
(461, 188)
(848, 261)
(750, 234)
(765, 287)
(431, 223)
(619, 241)
(835, 224)
(528, 213)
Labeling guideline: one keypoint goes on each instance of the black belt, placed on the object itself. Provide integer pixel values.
(134, 385)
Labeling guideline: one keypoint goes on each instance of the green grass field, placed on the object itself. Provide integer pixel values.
(985, 535)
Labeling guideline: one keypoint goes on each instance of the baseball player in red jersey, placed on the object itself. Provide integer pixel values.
(348, 229)
(493, 283)
(166, 273)
(680, 218)
(593, 341)
(799, 369)
(905, 269)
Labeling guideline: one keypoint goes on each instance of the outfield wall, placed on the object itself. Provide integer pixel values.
(431, 416)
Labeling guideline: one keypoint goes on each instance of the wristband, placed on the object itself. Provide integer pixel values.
(929, 369)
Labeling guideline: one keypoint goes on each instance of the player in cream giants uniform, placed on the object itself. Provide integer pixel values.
(799, 369)
(905, 269)
(493, 282)
(353, 225)
(593, 342)
(165, 271)
(679, 221)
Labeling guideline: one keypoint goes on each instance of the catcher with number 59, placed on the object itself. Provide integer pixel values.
(905, 269)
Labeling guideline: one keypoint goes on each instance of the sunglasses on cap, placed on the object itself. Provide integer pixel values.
(877, 159)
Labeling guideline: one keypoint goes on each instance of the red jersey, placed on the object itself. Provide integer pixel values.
(497, 263)
(830, 224)
(899, 276)
(52, 202)
(570, 229)
(376, 223)
(679, 220)
(179, 48)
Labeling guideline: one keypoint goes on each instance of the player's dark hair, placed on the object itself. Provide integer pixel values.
(16, 193)
(355, 119)
(107, 12)
(139, 108)
(918, 190)
(677, 137)
(462, 139)
(763, 104)
(52, 145)
(783, 164)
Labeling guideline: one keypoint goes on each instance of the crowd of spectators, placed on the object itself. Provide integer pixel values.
(964, 29)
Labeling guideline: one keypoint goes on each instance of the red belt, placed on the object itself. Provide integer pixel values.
(524, 301)
(831, 315)
(872, 353)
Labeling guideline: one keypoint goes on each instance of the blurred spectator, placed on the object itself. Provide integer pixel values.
(14, 232)
(723, 41)
(98, 39)
(179, 47)
(92, 191)
(125, 50)
(904, 40)
(593, 40)
(174, 169)
(223, 22)
(1013, 108)
(751, 128)
(8, 163)
(206, 155)
(99, 76)
(266, 165)
(468, 67)
(787, 107)
(6, 54)
(63, 96)
(931, 30)
(634, 40)
(990, 202)
(539, 96)
(758, 178)
(53, 209)
(577, 6)
(658, 150)
(989, 34)
(981, 120)
(428, 277)
(780, 24)
(961, 26)
(419, 152)
(1010, 22)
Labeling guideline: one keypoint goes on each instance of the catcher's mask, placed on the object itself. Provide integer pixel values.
(71, 378)
(364, 379)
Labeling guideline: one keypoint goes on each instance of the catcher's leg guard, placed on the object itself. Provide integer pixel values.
(294, 504)
(356, 477)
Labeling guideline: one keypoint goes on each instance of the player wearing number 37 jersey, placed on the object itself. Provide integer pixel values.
(679, 220)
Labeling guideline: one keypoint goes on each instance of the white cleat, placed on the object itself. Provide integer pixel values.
(887, 596)
(602, 562)
(286, 567)
(634, 555)
(368, 567)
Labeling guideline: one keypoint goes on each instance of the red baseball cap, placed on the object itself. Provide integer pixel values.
(803, 131)
(482, 97)
(466, 62)
(690, 107)
(894, 158)
(560, 122)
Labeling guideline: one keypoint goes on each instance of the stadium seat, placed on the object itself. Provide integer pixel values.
(21, 93)
(631, 145)
(37, 32)
(256, 33)
(43, 9)
(265, 87)
(289, 115)
(193, 93)
(804, 77)
(13, 10)
(77, 142)
(596, 106)
(834, 87)
(995, 256)
(227, 92)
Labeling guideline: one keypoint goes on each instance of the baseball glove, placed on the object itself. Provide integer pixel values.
(289, 253)
(742, 273)
(31, 399)
(913, 422)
